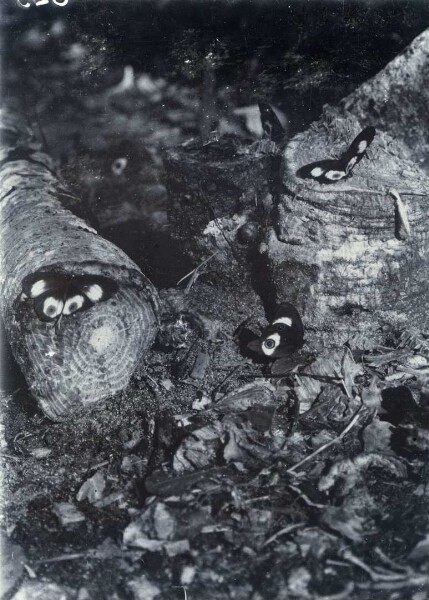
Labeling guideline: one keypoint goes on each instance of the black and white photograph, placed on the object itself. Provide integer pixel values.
(214, 283)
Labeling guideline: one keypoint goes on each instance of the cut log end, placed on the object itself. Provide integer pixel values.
(88, 356)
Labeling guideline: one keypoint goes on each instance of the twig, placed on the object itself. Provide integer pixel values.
(62, 558)
(305, 497)
(388, 561)
(182, 587)
(197, 268)
(418, 581)
(282, 532)
(366, 191)
(344, 594)
(328, 444)
(4, 455)
(375, 576)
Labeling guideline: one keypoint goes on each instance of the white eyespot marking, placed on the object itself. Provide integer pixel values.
(52, 308)
(284, 321)
(316, 172)
(335, 175)
(73, 304)
(94, 292)
(362, 146)
(38, 288)
(270, 344)
(351, 163)
(119, 165)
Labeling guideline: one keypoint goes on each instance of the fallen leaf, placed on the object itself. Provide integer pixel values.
(143, 589)
(92, 489)
(67, 513)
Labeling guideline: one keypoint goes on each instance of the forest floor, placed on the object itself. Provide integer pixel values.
(206, 478)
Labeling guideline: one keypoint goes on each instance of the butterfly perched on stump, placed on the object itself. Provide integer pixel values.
(283, 336)
(331, 171)
(57, 294)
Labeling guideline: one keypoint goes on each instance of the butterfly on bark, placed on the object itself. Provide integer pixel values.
(57, 294)
(333, 170)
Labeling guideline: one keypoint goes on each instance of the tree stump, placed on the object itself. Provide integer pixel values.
(337, 252)
(397, 99)
(93, 353)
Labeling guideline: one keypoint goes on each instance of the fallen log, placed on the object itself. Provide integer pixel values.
(81, 358)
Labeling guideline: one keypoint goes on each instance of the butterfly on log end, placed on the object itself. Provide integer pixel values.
(56, 295)
(331, 171)
(283, 336)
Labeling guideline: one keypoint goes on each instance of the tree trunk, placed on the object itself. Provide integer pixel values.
(336, 250)
(397, 99)
(93, 353)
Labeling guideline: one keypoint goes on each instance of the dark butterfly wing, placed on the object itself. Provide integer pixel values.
(285, 334)
(358, 148)
(287, 315)
(55, 294)
(324, 171)
(273, 129)
(96, 287)
(48, 291)
(331, 171)
(255, 346)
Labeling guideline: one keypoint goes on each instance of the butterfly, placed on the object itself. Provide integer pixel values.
(271, 125)
(56, 294)
(283, 336)
(330, 171)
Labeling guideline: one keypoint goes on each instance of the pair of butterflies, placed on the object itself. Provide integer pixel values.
(56, 294)
(331, 171)
(281, 339)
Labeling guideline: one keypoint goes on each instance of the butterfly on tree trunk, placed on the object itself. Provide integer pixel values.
(281, 340)
(57, 294)
(331, 171)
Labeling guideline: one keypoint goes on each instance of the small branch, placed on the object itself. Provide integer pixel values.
(417, 581)
(282, 532)
(365, 191)
(305, 497)
(62, 558)
(327, 445)
(4, 455)
(375, 576)
(391, 563)
(345, 594)
(198, 268)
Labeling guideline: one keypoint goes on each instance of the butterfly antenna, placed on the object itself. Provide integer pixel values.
(57, 323)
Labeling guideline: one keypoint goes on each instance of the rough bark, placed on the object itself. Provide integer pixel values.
(93, 353)
(397, 99)
(335, 250)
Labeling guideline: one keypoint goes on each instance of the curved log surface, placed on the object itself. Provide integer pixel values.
(335, 251)
(92, 354)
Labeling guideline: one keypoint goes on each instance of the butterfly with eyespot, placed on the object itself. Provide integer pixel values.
(281, 341)
(331, 171)
(57, 294)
